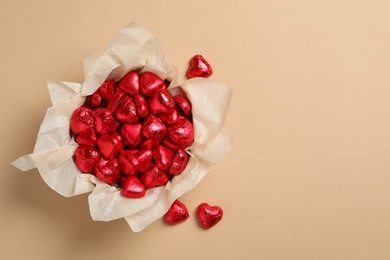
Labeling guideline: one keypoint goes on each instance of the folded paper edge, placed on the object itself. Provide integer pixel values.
(24, 163)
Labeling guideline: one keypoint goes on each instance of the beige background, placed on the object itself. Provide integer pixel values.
(309, 175)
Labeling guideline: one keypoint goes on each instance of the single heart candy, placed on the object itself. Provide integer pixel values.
(153, 127)
(208, 215)
(129, 83)
(108, 170)
(86, 158)
(182, 133)
(132, 187)
(179, 162)
(170, 118)
(81, 120)
(142, 159)
(110, 145)
(161, 102)
(154, 177)
(104, 122)
(176, 214)
(150, 83)
(131, 134)
(126, 112)
(88, 137)
(125, 159)
(199, 67)
(163, 157)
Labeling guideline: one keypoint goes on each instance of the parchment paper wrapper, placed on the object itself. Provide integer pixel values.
(132, 49)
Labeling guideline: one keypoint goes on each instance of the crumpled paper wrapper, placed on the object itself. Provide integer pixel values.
(133, 48)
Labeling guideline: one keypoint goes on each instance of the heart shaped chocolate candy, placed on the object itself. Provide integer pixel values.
(126, 112)
(125, 159)
(153, 128)
(129, 83)
(142, 159)
(163, 157)
(209, 216)
(170, 118)
(86, 158)
(104, 122)
(110, 145)
(179, 162)
(154, 177)
(176, 214)
(81, 120)
(88, 137)
(182, 133)
(150, 83)
(131, 134)
(108, 170)
(161, 102)
(199, 67)
(132, 187)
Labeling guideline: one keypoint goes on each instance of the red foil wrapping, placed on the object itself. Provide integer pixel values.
(209, 216)
(199, 67)
(176, 214)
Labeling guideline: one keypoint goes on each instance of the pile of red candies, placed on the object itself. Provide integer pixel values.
(133, 133)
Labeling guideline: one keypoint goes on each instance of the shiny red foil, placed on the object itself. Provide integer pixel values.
(179, 162)
(126, 112)
(132, 133)
(110, 145)
(184, 104)
(182, 133)
(133, 188)
(141, 105)
(81, 120)
(125, 159)
(150, 83)
(108, 170)
(129, 83)
(153, 127)
(176, 214)
(163, 157)
(104, 122)
(199, 67)
(154, 177)
(209, 216)
(86, 158)
(87, 137)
